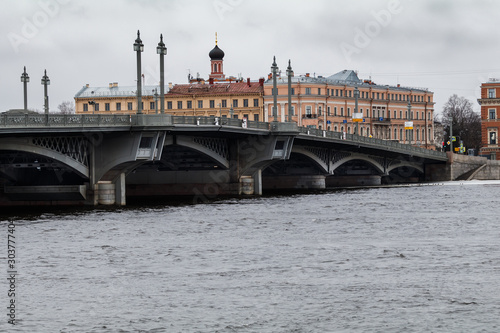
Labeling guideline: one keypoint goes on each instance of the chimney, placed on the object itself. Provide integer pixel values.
(307, 74)
(87, 85)
(170, 85)
(115, 84)
(399, 85)
(261, 81)
(248, 81)
(211, 80)
(111, 85)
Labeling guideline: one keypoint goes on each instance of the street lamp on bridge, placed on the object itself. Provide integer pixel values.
(357, 117)
(289, 74)
(274, 69)
(139, 47)
(410, 124)
(25, 79)
(46, 82)
(162, 51)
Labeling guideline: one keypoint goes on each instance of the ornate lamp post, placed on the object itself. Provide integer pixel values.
(139, 47)
(25, 79)
(162, 51)
(46, 82)
(356, 96)
(274, 69)
(289, 74)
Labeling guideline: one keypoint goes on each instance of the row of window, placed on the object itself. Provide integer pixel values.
(189, 105)
(416, 135)
(366, 95)
(376, 113)
(223, 104)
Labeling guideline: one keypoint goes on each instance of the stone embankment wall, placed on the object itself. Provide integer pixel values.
(464, 167)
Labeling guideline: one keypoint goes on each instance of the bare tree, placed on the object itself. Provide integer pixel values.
(66, 107)
(466, 123)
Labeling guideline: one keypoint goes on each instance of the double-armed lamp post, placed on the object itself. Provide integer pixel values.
(289, 74)
(25, 79)
(46, 82)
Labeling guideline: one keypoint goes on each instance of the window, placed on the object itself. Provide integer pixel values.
(106, 106)
(245, 103)
(129, 105)
(235, 103)
(293, 91)
(400, 134)
(341, 93)
(293, 110)
(423, 115)
(341, 111)
(256, 117)
(395, 114)
(348, 112)
(492, 114)
(118, 106)
(319, 110)
(169, 105)
(319, 91)
(96, 106)
(200, 104)
(212, 104)
(256, 102)
(224, 103)
(245, 116)
(428, 116)
(189, 104)
(493, 137)
(336, 92)
(395, 134)
(400, 114)
(308, 91)
(308, 110)
(378, 95)
(491, 93)
(416, 115)
(327, 92)
(334, 110)
(179, 105)
(85, 107)
(152, 105)
(328, 110)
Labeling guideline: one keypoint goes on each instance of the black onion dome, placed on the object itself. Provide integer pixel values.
(216, 53)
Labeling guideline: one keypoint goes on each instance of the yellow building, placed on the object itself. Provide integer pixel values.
(329, 103)
(115, 99)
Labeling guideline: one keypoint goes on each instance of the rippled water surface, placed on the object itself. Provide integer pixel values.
(405, 259)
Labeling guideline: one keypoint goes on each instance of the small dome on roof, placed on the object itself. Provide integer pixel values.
(216, 53)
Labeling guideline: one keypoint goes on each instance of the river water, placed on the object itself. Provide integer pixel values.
(399, 259)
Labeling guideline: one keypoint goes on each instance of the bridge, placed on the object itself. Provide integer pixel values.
(103, 159)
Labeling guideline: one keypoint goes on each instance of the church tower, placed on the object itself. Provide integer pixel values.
(216, 62)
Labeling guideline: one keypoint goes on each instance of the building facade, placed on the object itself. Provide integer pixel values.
(490, 124)
(115, 99)
(329, 102)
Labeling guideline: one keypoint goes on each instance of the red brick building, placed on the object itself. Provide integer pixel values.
(490, 124)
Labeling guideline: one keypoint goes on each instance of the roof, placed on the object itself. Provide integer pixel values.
(216, 53)
(219, 88)
(115, 91)
(345, 75)
(344, 78)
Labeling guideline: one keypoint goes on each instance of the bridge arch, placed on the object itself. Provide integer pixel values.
(319, 157)
(70, 151)
(344, 157)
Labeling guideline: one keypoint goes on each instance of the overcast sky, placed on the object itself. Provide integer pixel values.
(449, 47)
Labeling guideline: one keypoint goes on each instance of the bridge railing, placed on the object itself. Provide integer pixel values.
(62, 120)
